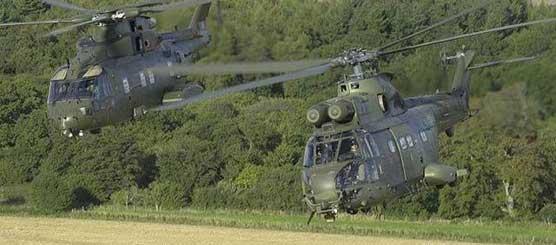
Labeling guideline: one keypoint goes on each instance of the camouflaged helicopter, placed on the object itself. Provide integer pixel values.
(369, 145)
(110, 81)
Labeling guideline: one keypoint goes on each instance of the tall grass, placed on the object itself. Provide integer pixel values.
(470, 231)
(467, 231)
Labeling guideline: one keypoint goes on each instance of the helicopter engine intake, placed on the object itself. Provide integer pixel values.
(318, 115)
(342, 111)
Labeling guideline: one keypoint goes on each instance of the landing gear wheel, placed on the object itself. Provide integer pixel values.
(330, 217)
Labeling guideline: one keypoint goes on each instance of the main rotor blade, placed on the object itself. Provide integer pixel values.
(450, 39)
(503, 62)
(432, 27)
(177, 5)
(70, 28)
(69, 6)
(243, 68)
(248, 86)
(40, 22)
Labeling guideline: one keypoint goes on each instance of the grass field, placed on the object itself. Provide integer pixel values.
(464, 231)
(18, 230)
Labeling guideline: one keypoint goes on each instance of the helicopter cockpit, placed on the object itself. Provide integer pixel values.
(351, 149)
(336, 165)
(93, 85)
(338, 149)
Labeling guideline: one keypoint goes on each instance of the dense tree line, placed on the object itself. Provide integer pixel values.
(244, 151)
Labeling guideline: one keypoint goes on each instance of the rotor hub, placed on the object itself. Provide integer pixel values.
(356, 56)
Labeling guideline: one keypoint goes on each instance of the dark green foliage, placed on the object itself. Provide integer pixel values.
(51, 193)
(95, 167)
(548, 213)
(165, 195)
(270, 189)
(243, 151)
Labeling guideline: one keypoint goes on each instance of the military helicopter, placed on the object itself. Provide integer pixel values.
(109, 81)
(370, 145)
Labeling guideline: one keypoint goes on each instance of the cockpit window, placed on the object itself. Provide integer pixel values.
(340, 147)
(326, 152)
(97, 87)
(348, 149)
(61, 90)
(61, 74)
(309, 154)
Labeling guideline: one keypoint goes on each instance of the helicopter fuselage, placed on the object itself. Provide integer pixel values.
(115, 81)
(370, 146)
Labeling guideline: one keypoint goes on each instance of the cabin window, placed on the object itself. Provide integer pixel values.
(410, 141)
(424, 136)
(151, 77)
(138, 44)
(125, 83)
(392, 146)
(403, 143)
(143, 79)
(383, 103)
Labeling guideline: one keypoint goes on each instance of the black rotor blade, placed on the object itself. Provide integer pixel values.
(144, 5)
(70, 28)
(42, 22)
(69, 6)
(432, 27)
(450, 39)
(248, 86)
(503, 62)
(177, 5)
(242, 68)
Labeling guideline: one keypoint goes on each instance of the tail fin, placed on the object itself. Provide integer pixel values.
(198, 23)
(460, 86)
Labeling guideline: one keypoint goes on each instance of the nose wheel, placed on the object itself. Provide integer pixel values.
(71, 133)
(330, 217)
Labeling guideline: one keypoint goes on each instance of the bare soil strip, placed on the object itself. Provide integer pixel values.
(19, 230)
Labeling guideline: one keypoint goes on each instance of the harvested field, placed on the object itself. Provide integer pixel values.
(18, 230)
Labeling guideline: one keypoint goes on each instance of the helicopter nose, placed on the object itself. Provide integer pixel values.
(69, 123)
(323, 187)
(72, 117)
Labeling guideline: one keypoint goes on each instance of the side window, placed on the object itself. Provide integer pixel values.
(392, 146)
(410, 141)
(403, 143)
(424, 136)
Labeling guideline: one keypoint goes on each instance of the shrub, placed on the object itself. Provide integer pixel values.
(50, 193)
(165, 194)
(129, 197)
(548, 213)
